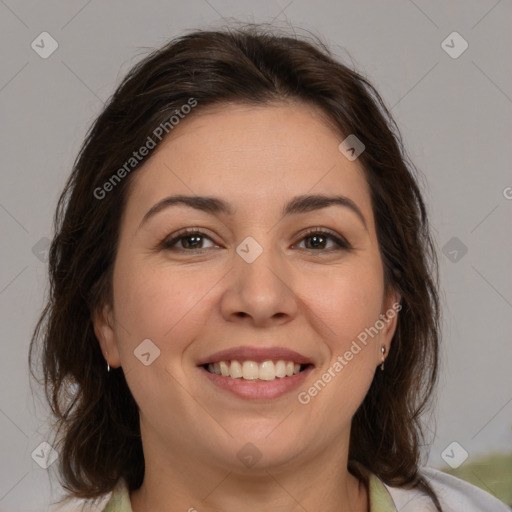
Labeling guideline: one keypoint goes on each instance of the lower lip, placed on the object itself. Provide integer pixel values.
(258, 389)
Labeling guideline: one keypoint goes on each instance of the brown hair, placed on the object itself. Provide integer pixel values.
(96, 416)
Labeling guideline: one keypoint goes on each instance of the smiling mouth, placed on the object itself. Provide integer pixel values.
(253, 371)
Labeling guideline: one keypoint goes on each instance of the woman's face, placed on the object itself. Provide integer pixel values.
(252, 284)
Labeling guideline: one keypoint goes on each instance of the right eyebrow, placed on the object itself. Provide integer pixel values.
(207, 204)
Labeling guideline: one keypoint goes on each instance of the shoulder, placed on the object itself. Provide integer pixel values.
(120, 499)
(82, 505)
(454, 494)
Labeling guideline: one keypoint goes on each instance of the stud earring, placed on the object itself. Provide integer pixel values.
(108, 366)
(383, 359)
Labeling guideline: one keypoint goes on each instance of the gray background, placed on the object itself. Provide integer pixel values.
(454, 114)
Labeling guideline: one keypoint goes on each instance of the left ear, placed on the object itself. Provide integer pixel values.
(390, 310)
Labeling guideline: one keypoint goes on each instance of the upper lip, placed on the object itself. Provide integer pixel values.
(256, 354)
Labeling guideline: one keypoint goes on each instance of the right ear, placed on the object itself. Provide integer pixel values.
(103, 322)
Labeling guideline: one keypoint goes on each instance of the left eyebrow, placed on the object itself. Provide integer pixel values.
(308, 203)
(213, 205)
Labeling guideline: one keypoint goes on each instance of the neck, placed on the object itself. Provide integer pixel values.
(177, 483)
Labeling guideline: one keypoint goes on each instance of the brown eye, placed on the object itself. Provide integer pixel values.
(192, 240)
(320, 239)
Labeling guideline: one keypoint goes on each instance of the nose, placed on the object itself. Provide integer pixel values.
(259, 293)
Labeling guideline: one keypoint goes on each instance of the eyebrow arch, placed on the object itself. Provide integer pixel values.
(213, 205)
(308, 203)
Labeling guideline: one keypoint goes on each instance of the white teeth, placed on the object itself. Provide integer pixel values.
(224, 369)
(280, 369)
(267, 371)
(250, 370)
(235, 370)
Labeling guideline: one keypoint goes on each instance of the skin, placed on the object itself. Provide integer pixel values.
(191, 304)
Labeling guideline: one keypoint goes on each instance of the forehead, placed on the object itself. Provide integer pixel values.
(250, 155)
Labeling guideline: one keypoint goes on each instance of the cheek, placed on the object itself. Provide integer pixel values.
(345, 301)
(159, 303)
(166, 306)
(342, 382)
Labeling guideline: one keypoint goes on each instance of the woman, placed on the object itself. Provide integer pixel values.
(244, 310)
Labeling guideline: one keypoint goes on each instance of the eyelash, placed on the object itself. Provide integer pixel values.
(167, 244)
